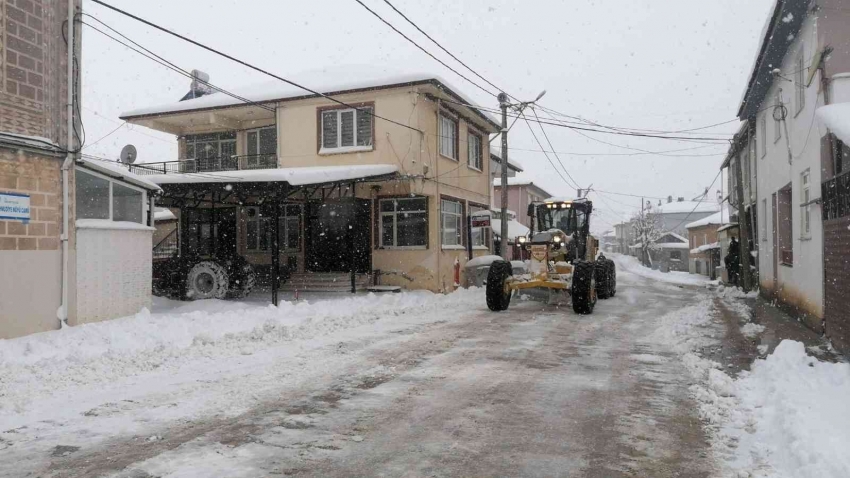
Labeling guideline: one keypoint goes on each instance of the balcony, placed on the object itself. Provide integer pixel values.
(202, 165)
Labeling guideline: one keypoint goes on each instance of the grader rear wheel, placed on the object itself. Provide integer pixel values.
(498, 299)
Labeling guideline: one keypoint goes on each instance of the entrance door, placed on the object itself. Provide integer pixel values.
(338, 236)
(775, 244)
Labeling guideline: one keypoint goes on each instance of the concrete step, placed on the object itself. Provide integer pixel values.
(328, 282)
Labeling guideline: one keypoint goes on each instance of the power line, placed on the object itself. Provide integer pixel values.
(441, 46)
(549, 159)
(105, 136)
(619, 128)
(249, 65)
(698, 202)
(423, 49)
(553, 150)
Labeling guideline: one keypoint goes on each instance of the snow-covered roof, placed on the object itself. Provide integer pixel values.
(163, 214)
(118, 171)
(718, 218)
(332, 80)
(293, 176)
(673, 235)
(836, 117)
(686, 206)
(673, 245)
(512, 163)
(705, 247)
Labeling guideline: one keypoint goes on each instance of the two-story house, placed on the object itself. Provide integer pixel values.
(374, 176)
(800, 68)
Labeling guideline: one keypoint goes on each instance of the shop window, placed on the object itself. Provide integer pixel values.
(478, 234)
(100, 198)
(451, 222)
(404, 223)
(259, 229)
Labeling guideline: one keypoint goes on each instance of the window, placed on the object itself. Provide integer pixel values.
(451, 222)
(704, 239)
(842, 157)
(473, 142)
(762, 134)
(259, 229)
(784, 224)
(800, 82)
(127, 204)
(478, 234)
(101, 198)
(404, 223)
(777, 125)
(215, 151)
(764, 220)
(676, 256)
(347, 130)
(261, 148)
(805, 197)
(448, 136)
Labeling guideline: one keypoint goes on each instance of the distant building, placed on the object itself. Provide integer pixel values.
(705, 256)
(675, 215)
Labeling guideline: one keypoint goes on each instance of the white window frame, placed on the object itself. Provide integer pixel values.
(443, 119)
(800, 82)
(474, 139)
(805, 197)
(145, 217)
(443, 215)
(393, 216)
(251, 161)
(763, 135)
(484, 243)
(346, 149)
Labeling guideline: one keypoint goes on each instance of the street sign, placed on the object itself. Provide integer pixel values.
(481, 221)
(14, 207)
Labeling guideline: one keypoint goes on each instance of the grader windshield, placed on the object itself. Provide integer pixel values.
(565, 216)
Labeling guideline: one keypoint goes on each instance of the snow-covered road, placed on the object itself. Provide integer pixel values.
(394, 385)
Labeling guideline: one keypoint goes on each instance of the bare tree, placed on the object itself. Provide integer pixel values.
(647, 229)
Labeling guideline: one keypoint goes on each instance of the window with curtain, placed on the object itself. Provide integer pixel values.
(448, 136)
(347, 129)
(451, 222)
(473, 142)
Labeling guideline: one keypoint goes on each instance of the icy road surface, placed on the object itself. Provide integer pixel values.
(420, 386)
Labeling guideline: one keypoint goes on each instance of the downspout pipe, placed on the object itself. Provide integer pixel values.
(62, 313)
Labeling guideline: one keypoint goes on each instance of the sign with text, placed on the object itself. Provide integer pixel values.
(481, 221)
(14, 207)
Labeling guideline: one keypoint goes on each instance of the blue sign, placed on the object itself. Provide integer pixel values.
(14, 207)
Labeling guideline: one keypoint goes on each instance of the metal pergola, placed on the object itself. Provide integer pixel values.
(260, 193)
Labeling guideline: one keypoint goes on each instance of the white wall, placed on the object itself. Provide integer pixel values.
(113, 272)
(802, 284)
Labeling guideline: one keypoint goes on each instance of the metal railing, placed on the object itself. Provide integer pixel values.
(201, 165)
(836, 196)
(167, 247)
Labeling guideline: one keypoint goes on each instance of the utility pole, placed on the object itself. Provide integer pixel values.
(503, 103)
(743, 225)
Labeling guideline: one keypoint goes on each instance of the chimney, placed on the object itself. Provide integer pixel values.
(669, 199)
(681, 199)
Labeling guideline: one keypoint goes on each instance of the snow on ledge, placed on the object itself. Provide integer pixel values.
(106, 224)
(294, 176)
(836, 117)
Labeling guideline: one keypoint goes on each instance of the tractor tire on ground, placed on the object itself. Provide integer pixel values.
(242, 280)
(583, 288)
(612, 278)
(207, 280)
(603, 279)
(497, 298)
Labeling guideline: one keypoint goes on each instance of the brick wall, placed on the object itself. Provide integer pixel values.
(39, 177)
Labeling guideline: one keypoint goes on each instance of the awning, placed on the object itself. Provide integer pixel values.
(515, 229)
(836, 117)
(293, 176)
(118, 171)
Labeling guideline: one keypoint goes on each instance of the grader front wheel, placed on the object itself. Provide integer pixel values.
(498, 299)
(583, 288)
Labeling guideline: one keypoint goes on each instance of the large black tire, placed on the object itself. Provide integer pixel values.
(612, 278)
(243, 278)
(497, 298)
(207, 280)
(603, 278)
(583, 288)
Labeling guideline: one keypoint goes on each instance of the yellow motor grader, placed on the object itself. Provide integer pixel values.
(564, 258)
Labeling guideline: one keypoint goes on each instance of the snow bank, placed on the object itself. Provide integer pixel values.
(788, 417)
(45, 364)
(632, 264)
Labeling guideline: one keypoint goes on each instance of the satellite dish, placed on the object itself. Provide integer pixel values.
(128, 154)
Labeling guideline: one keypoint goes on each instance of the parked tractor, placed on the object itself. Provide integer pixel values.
(563, 259)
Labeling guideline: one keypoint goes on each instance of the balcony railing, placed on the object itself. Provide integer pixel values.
(201, 165)
(836, 196)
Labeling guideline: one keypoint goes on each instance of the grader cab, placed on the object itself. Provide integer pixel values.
(564, 259)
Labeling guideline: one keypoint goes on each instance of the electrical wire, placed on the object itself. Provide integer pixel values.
(105, 136)
(548, 158)
(368, 111)
(553, 150)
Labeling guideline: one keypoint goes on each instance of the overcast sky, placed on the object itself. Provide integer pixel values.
(651, 64)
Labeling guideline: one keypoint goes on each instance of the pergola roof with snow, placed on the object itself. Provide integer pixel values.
(294, 176)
